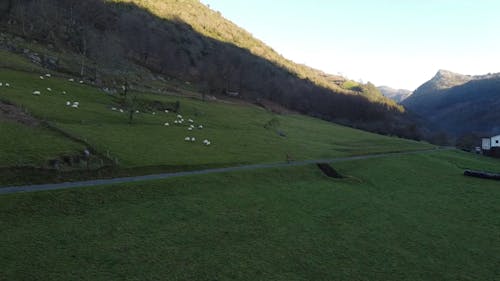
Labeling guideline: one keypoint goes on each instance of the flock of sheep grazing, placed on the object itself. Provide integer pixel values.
(179, 120)
(68, 103)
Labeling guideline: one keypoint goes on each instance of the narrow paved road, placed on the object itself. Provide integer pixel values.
(65, 185)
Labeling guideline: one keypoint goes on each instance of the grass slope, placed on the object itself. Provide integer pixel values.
(412, 217)
(238, 132)
(32, 146)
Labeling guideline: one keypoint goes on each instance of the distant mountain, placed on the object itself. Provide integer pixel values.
(397, 95)
(443, 79)
(459, 104)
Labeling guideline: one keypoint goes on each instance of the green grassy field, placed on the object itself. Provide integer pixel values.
(23, 145)
(238, 132)
(412, 217)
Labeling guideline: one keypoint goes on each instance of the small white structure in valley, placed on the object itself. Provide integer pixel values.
(489, 143)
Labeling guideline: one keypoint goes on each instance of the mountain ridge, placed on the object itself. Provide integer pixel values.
(459, 104)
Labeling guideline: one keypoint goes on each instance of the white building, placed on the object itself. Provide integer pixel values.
(495, 141)
(492, 142)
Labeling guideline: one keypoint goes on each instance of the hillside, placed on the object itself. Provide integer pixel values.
(153, 140)
(459, 104)
(397, 95)
(148, 42)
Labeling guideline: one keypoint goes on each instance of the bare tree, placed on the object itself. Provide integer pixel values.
(83, 53)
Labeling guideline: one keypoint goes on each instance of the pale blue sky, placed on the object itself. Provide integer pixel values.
(399, 43)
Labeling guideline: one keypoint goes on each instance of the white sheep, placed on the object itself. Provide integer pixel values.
(190, 120)
(154, 113)
(74, 105)
(121, 110)
(176, 122)
(200, 127)
(113, 108)
(49, 89)
(63, 92)
(48, 75)
(166, 111)
(193, 139)
(137, 111)
(71, 80)
(179, 116)
(68, 103)
(166, 124)
(36, 93)
(7, 85)
(190, 129)
(206, 142)
(81, 81)
(0, 84)
(187, 138)
(41, 77)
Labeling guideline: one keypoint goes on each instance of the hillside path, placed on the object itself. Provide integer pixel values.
(67, 185)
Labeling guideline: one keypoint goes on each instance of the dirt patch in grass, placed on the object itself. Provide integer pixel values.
(11, 112)
(329, 171)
